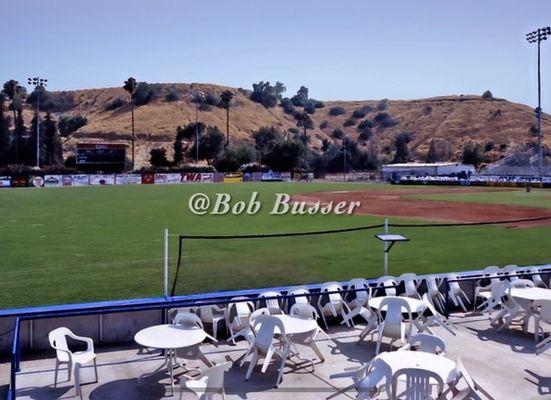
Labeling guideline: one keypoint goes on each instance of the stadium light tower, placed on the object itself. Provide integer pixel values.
(537, 37)
(198, 97)
(38, 83)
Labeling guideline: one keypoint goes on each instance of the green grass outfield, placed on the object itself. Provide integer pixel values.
(62, 245)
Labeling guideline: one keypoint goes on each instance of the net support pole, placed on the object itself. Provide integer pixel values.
(386, 248)
(165, 280)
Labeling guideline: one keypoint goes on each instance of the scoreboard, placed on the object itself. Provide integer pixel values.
(100, 157)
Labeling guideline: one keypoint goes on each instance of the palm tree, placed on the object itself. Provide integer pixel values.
(225, 99)
(14, 91)
(130, 85)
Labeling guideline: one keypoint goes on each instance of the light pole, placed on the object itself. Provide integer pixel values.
(38, 83)
(197, 97)
(537, 37)
(344, 143)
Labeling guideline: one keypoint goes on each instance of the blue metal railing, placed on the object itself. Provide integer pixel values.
(165, 303)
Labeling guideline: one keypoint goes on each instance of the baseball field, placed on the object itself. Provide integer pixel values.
(60, 245)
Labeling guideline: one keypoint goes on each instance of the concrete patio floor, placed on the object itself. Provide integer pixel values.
(504, 363)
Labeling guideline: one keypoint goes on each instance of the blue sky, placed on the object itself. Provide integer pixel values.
(355, 49)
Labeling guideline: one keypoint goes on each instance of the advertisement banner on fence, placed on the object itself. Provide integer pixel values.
(218, 177)
(191, 177)
(20, 181)
(233, 177)
(5, 181)
(168, 178)
(148, 178)
(207, 177)
(36, 181)
(286, 176)
(128, 179)
(52, 180)
(80, 180)
(66, 180)
(271, 176)
(102, 179)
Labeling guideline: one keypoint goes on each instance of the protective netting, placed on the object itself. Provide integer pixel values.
(223, 262)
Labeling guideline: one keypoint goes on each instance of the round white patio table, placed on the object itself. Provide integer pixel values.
(525, 297)
(386, 364)
(531, 294)
(169, 338)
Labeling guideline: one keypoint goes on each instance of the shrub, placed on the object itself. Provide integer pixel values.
(114, 104)
(301, 98)
(402, 152)
(173, 94)
(318, 104)
(335, 111)
(365, 124)
(472, 154)
(52, 101)
(310, 108)
(266, 94)
(364, 135)
(70, 124)
(288, 107)
(232, 158)
(384, 120)
(487, 95)
(350, 122)
(358, 114)
(337, 134)
(265, 138)
(157, 157)
(324, 125)
(381, 104)
(144, 93)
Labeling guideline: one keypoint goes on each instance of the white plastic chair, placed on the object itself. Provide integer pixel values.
(434, 294)
(411, 284)
(256, 313)
(208, 383)
(335, 304)
(360, 380)
(425, 343)
(494, 298)
(473, 389)
(388, 284)
(363, 293)
(510, 310)
(456, 293)
(187, 320)
(237, 318)
(265, 344)
(392, 325)
(419, 384)
(435, 319)
(542, 313)
(74, 360)
(306, 311)
(300, 294)
(511, 272)
(536, 276)
(492, 273)
(212, 314)
(271, 303)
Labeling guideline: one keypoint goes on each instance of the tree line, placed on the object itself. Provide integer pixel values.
(17, 141)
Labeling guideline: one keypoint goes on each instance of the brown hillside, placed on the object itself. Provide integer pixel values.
(453, 119)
